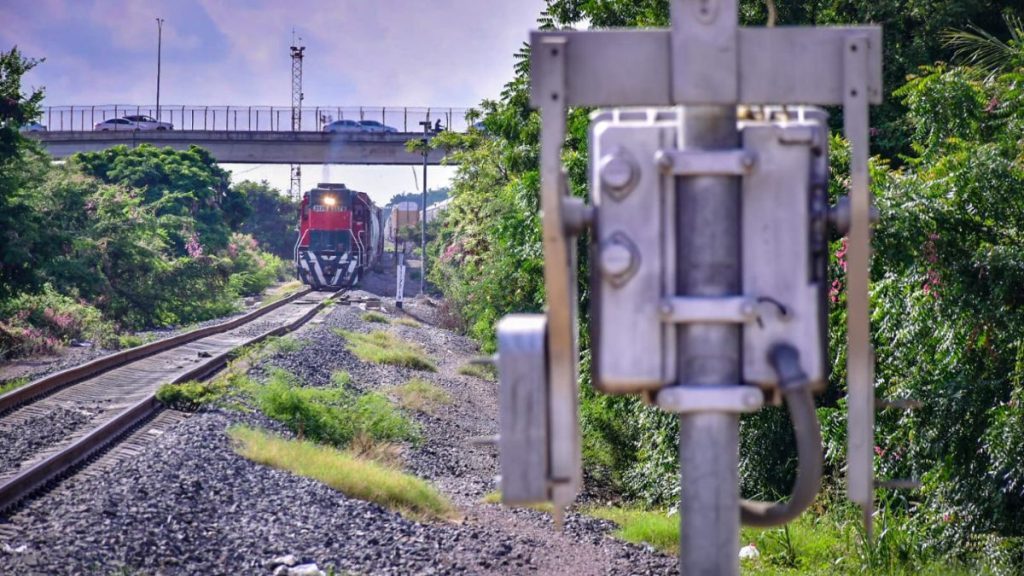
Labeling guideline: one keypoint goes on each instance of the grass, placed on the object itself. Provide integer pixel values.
(494, 497)
(131, 341)
(283, 291)
(479, 371)
(376, 317)
(283, 345)
(380, 347)
(813, 544)
(642, 526)
(353, 476)
(421, 396)
(407, 322)
(332, 415)
(13, 384)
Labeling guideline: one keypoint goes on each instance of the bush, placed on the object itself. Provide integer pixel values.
(334, 415)
(39, 323)
(189, 396)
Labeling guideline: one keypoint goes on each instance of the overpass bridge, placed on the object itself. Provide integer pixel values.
(254, 134)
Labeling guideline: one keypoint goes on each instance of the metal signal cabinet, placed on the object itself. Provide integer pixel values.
(636, 158)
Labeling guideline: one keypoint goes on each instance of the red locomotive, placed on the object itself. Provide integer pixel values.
(340, 237)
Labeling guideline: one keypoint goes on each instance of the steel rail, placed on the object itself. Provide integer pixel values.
(58, 380)
(39, 475)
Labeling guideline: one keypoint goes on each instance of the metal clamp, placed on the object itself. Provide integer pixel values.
(690, 399)
(705, 163)
(715, 310)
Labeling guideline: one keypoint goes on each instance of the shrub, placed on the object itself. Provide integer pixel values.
(333, 415)
(383, 348)
(37, 323)
(189, 396)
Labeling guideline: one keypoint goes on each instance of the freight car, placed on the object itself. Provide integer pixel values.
(340, 237)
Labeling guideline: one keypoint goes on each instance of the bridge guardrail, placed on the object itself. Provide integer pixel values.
(253, 118)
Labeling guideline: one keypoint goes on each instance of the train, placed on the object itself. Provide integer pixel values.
(341, 237)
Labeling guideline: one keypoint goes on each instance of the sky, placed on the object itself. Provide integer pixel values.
(438, 53)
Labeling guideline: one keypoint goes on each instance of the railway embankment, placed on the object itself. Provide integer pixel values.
(188, 502)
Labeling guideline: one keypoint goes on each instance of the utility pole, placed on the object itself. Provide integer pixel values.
(297, 98)
(423, 225)
(159, 43)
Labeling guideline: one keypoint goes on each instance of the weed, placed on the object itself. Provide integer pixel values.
(189, 396)
(333, 415)
(341, 378)
(642, 526)
(479, 371)
(349, 474)
(421, 396)
(130, 341)
(283, 291)
(376, 317)
(383, 348)
(494, 497)
(13, 384)
(284, 345)
(404, 321)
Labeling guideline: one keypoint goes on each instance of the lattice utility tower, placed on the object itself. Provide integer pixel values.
(297, 97)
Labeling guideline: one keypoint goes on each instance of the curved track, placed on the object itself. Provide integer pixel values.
(110, 396)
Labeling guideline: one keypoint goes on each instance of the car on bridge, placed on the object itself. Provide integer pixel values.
(32, 127)
(118, 124)
(150, 123)
(374, 126)
(344, 126)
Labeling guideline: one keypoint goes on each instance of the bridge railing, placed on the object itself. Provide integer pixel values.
(254, 118)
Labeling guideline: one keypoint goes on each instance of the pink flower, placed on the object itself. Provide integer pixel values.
(193, 247)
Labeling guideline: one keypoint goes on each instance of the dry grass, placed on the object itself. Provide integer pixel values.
(479, 371)
(407, 322)
(381, 347)
(345, 472)
(376, 317)
(421, 396)
(495, 498)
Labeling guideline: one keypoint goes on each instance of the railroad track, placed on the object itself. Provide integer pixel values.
(106, 399)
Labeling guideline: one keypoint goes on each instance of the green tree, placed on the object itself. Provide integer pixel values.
(273, 220)
(188, 190)
(21, 165)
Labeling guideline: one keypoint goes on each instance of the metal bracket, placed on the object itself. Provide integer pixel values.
(691, 399)
(705, 163)
(714, 310)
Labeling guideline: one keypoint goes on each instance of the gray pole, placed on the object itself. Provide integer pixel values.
(708, 263)
(423, 224)
(159, 43)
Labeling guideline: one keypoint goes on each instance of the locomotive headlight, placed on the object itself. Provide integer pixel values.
(330, 200)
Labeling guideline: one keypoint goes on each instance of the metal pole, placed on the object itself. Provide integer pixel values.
(159, 46)
(423, 227)
(708, 264)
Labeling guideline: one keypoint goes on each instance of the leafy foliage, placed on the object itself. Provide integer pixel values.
(272, 220)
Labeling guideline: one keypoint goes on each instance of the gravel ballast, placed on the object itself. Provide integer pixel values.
(189, 505)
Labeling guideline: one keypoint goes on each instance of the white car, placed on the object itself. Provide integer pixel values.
(374, 126)
(344, 126)
(149, 123)
(32, 127)
(117, 124)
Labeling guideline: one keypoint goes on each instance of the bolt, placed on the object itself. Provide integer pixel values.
(748, 309)
(663, 160)
(666, 309)
(617, 172)
(747, 161)
(616, 260)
